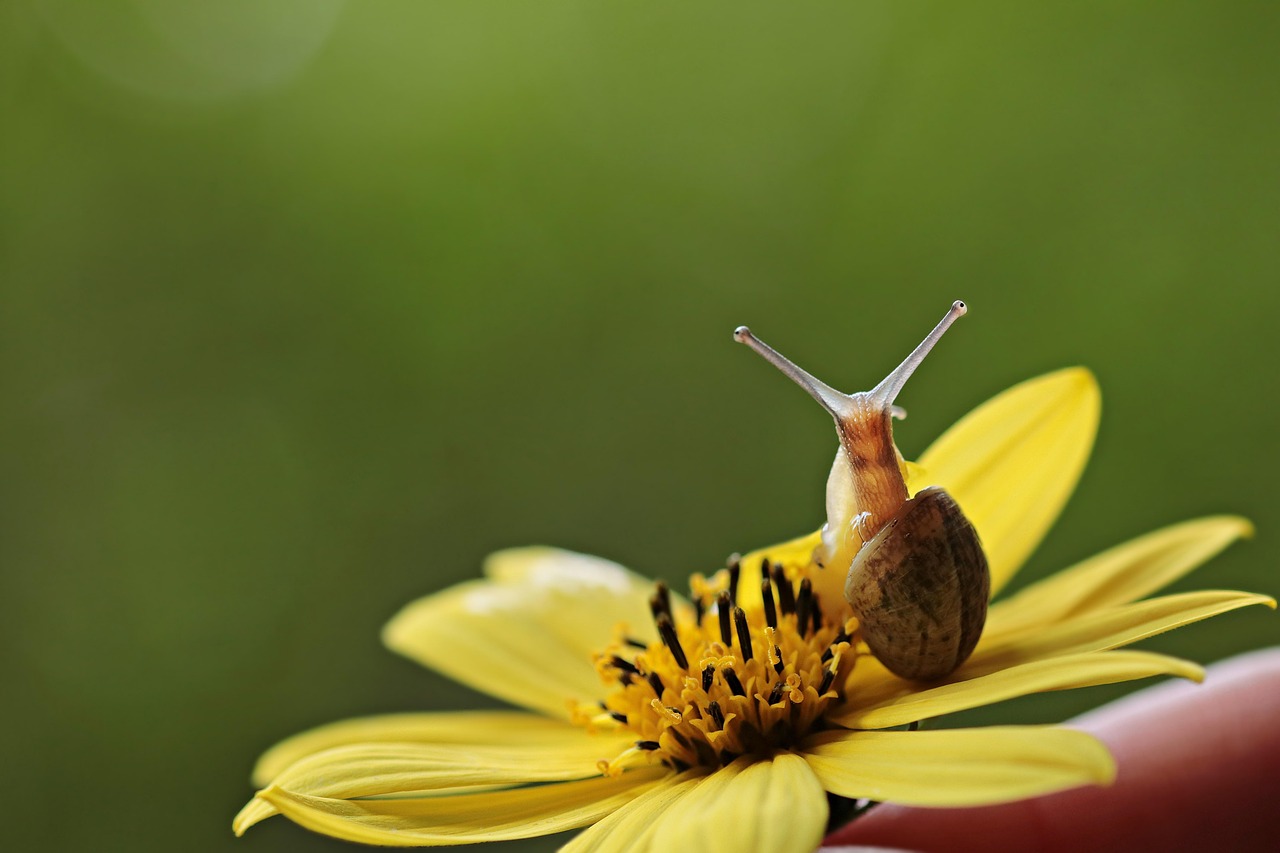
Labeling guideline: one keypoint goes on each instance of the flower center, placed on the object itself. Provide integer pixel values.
(726, 680)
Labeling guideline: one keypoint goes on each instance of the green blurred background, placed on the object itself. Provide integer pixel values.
(307, 306)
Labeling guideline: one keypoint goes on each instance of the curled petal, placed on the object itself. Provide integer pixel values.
(391, 768)
(502, 815)
(463, 727)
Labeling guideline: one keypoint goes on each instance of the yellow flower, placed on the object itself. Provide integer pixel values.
(663, 722)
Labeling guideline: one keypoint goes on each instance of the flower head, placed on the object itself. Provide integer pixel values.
(735, 716)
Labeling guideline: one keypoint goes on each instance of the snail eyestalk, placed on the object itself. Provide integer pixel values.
(864, 422)
(889, 387)
(838, 404)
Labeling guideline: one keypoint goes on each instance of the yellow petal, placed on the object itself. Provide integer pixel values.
(958, 767)
(254, 811)
(1120, 575)
(551, 752)
(1106, 629)
(470, 818)
(1012, 462)
(383, 769)
(464, 727)
(750, 804)
(528, 634)
(631, 828)
(909, 703)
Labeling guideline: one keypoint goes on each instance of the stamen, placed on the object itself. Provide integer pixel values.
(708, 675)
(735, 571)
(842, 637)
(723, 604)
(817, 614)
(775, 695)
(803, 604)
(765, 569)
(667, 631)
(624, 759)
(660, 602)
(731, 678)
(679, 738)
(625, 665)
(656, 683)
(716, 714)
(698, 609)
(622, 718)
(828, 677)
(636, 644)
(671, 715)
(786, 593)
(648, 745)
(773, 651)
(744, 634)
(770, 611)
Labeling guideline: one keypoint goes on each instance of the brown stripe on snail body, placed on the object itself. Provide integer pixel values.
(918, 580)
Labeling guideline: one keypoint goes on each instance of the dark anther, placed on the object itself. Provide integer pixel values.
(626, 677)
(624, 665)
(723, 604)
(765, 570)
(779, 666)
(775, 695)
(735, 571)
(770, 610)
(656, 683)
(698, 609)
(708, 673)
(804, 606)
(744, 634)
(636, 644)
(648, 745)
(667, 630)
(842, 637)
(716, 714)
(731, 679)
(786, 594)
(827, 677)
(680, 739)
(817, 614)
(622, 718)
(660, 601)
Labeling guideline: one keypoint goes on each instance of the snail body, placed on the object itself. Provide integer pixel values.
(917, 577)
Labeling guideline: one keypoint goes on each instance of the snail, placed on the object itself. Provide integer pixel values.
(917, 578)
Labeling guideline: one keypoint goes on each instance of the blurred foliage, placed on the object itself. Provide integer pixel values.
(309, 305)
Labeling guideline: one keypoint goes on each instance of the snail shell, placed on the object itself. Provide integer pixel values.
(919, 588)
